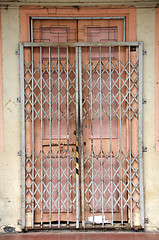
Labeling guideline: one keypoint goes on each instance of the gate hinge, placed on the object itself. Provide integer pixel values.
(17, 52)
(144, 101)
(18, 100)
(144, 52)
(144, 149)
(19, 153)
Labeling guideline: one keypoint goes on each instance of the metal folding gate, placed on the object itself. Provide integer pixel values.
(81, 134)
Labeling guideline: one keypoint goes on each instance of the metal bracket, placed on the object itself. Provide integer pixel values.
(144, 149)
(144, 52)
(144, 101)
(17, 52)
(19, 153)
(18, 100)
(146, 220)
(19, 222)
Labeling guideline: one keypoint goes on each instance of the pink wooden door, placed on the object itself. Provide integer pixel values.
(93, 195)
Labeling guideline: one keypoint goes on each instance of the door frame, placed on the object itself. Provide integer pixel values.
(29, 13)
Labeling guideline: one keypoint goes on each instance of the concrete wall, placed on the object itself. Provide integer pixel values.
(10, 170)
(146, 33)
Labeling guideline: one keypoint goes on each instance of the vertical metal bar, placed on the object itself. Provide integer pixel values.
(124, 29)
(41, 78)
(91, 92)
(101, 132)
(59, 159)
(31, 28)
(130, 165)
(32, 104)
(50, 131)
(68, 136)
(110, 83)
(22, 131)
(77, 141)
(140, 129)
(81, 137)
(120, 143)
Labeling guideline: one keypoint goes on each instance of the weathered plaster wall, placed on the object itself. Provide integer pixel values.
(10, 170)
(146, 33)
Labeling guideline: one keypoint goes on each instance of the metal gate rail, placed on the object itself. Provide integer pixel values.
(116, 175)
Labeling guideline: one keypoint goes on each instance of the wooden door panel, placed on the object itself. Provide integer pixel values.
(55, 31)
(66, 181)
(59, 169)
(105, 105)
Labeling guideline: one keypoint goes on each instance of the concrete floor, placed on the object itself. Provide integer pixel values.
(80, 236)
